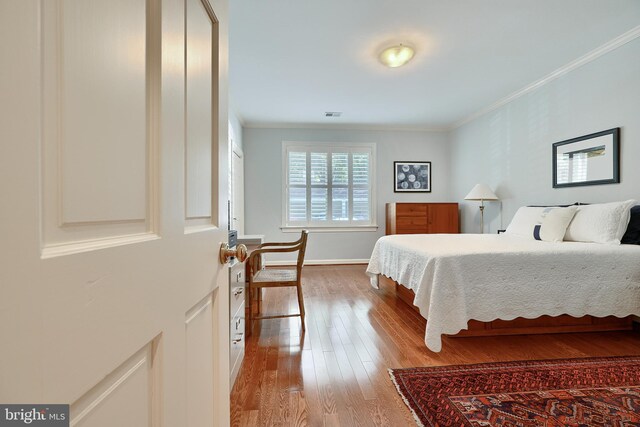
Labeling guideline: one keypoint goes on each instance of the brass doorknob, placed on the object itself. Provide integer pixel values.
(226, 253)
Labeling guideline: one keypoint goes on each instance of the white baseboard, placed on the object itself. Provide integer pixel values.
(319, 262)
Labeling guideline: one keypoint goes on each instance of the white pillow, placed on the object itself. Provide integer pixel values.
(554, 224)
(523, 222)
(600, 223)
(548, 224)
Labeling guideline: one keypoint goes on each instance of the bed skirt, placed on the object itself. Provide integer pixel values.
(522, 326)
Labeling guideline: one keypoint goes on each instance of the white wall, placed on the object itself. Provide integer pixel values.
(510, 148)
(263, 182)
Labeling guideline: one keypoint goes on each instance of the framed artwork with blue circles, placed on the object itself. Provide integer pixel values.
(412, 177)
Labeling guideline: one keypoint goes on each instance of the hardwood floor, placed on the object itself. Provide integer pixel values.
(336, 373)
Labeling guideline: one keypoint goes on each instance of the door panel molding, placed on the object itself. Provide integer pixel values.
(201, 130)
(133, 383)
(199, 369)
(100, 137)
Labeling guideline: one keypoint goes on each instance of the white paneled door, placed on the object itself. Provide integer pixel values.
(113, 180)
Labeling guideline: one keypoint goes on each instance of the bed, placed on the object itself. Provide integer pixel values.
(462, 278)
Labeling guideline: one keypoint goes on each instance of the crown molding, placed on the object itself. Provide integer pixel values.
(342, 126)
(611, 45)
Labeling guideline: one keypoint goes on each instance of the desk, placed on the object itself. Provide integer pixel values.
(251, 241)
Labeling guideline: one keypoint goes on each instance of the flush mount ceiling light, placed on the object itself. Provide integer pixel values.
(396, 56)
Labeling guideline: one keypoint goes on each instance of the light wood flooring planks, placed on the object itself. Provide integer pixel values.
(336, 373)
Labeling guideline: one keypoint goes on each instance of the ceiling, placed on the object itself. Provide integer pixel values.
(293, 60)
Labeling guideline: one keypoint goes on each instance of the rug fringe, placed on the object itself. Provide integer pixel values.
(404, 399)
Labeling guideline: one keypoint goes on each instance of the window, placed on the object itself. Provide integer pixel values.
(329, 185)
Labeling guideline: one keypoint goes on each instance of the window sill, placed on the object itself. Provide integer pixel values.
(330, 229)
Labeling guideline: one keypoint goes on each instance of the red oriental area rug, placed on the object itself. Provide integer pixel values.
(601, 391)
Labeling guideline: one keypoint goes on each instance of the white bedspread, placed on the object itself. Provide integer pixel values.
(459, 277)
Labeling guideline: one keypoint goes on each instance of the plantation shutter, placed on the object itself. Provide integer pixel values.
(297, 186)
(328, 185)
(319, 189)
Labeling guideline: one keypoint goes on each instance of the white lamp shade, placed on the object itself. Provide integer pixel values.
(481, 192)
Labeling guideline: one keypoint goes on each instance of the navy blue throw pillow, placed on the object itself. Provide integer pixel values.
(632, 235)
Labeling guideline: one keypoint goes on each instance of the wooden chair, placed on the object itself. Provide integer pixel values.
(260, 277)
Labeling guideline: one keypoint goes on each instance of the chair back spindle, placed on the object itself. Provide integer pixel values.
(303, 249)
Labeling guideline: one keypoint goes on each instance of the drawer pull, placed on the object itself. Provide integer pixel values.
(238, 291)
(238, 338)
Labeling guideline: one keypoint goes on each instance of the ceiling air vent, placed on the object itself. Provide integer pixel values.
(333, 114)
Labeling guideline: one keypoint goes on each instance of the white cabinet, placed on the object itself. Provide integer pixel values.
(237, 292)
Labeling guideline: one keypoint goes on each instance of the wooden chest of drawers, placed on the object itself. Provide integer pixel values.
(422, 218)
